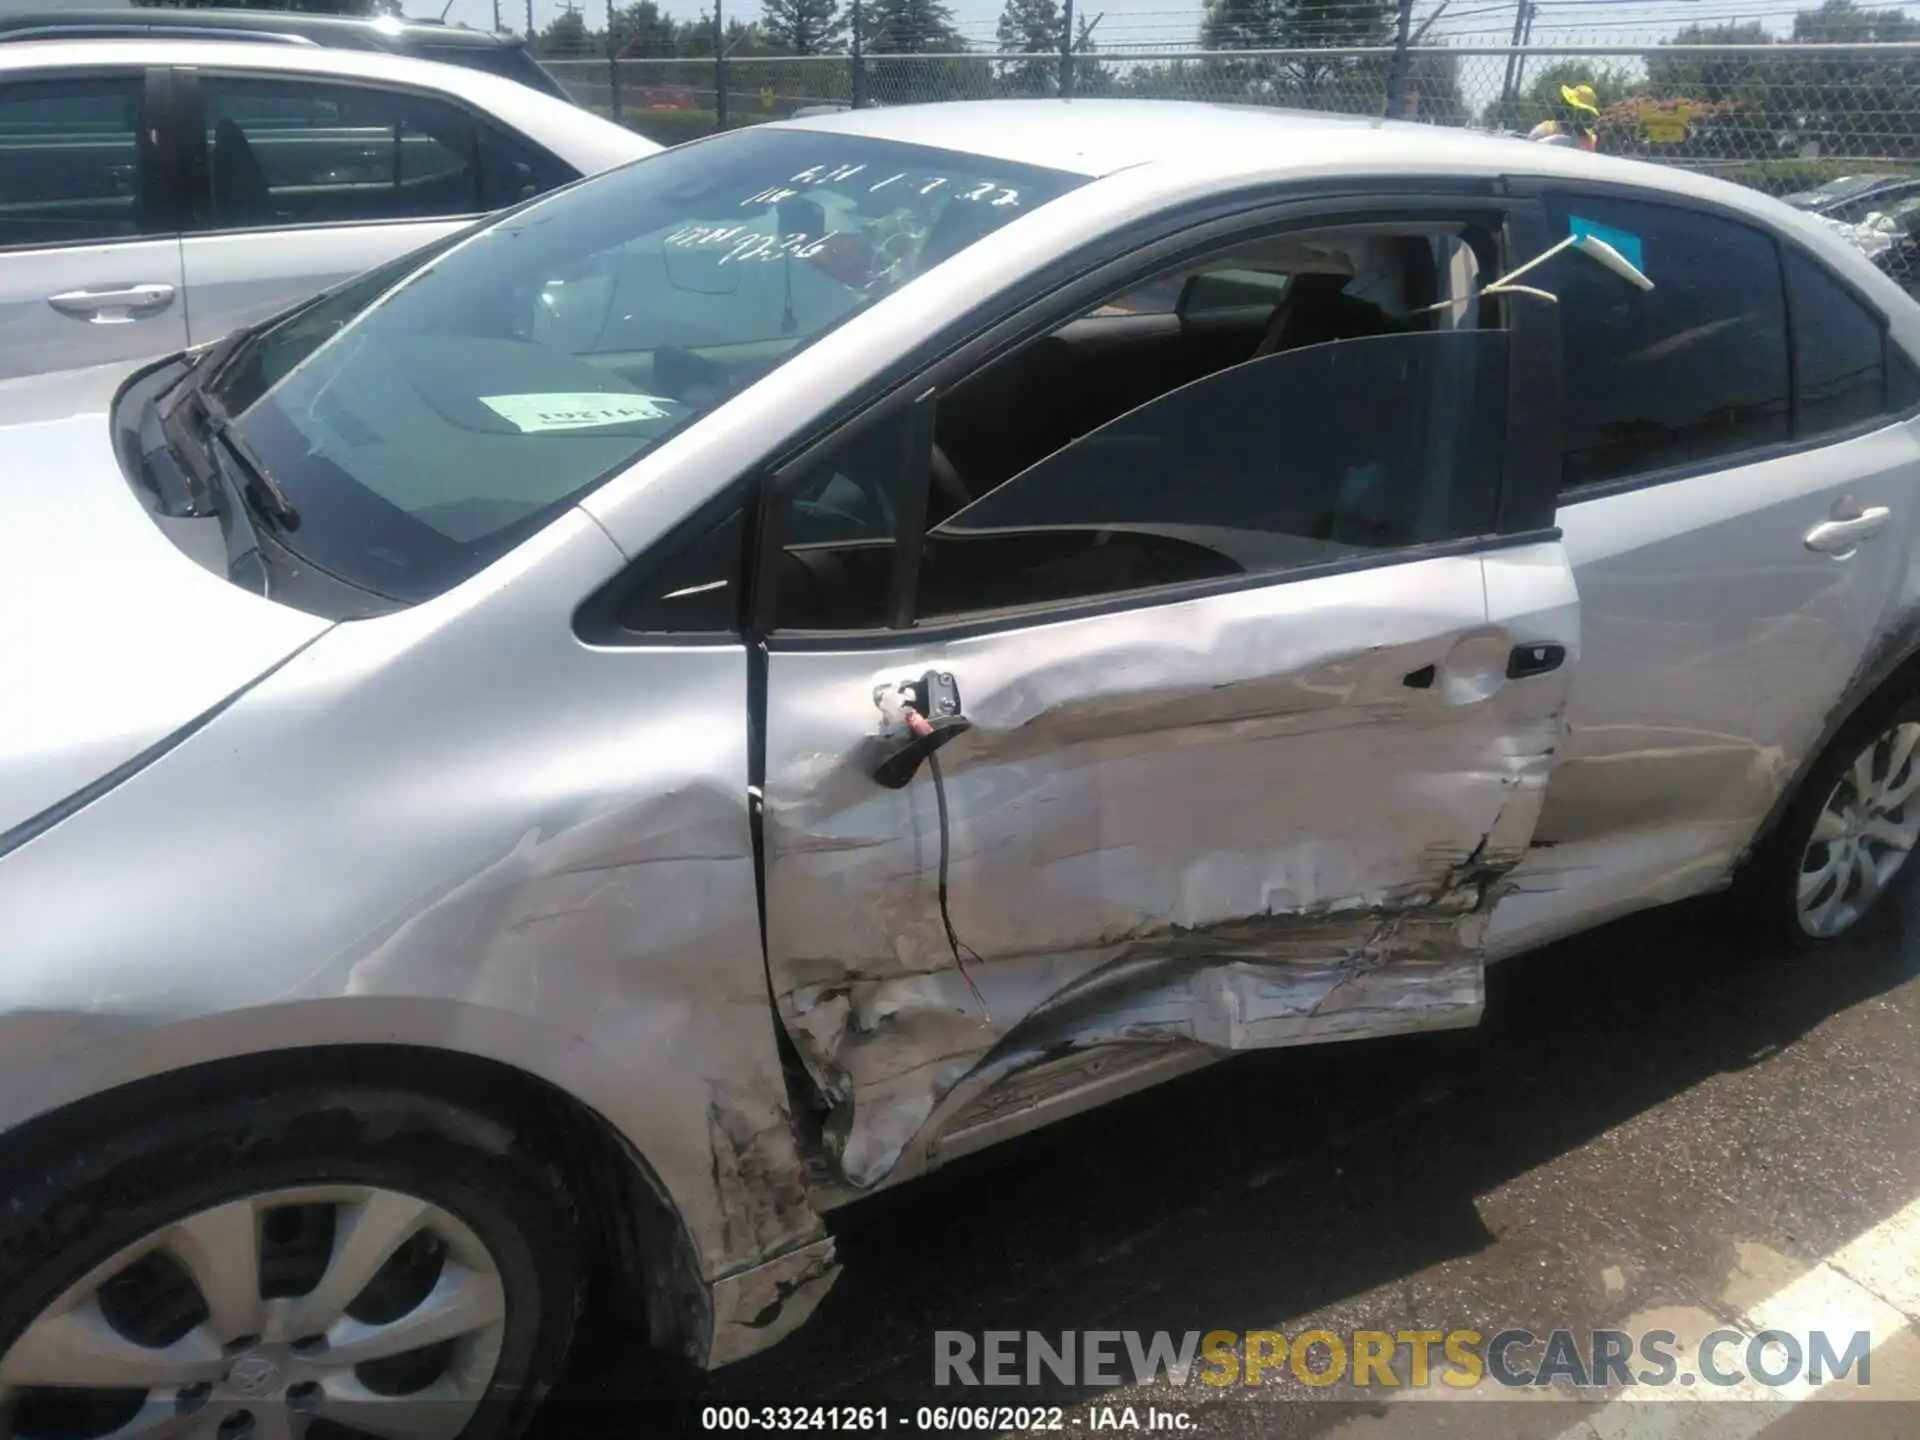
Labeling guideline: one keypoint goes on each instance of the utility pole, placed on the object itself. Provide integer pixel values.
(496, 17)
(530, 30)
(1397, 78)
(859, 60)
(719, 69)
(1506, 86)
(1066, 49)
(613, 64)
(1528, 11)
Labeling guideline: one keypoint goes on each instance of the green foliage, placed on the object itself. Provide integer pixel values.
(1433, 91)
(642, 29)
(911, 27)
(1330, 82)
(566, 37)
(803, 27)
(1031, 27)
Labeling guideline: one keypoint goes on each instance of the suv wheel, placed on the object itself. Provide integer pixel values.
(380, 1261)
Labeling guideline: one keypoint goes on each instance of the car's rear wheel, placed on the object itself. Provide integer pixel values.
(334, 1262)
(1848, 836)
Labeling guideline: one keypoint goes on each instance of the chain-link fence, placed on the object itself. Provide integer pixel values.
(1782, 116)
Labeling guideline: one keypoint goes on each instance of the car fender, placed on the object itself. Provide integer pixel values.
(456, 826)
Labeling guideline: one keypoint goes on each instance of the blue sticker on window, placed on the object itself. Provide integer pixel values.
(1625, 242)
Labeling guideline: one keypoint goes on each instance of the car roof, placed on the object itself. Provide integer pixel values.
(584, 140)
(186, 50)
(1191, 139)
(378, 31)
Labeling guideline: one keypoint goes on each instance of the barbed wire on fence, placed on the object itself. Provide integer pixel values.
(1837, 88)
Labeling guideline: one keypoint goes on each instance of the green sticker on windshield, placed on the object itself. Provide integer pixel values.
(532, 414)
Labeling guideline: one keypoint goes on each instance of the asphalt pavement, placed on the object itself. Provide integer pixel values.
(1657, 1128)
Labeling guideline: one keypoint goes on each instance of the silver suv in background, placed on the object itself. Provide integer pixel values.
(154, 194)
(505, 55)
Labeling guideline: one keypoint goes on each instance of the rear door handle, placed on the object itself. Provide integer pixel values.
(1534, 658)
(117, 306)
(1841, 537)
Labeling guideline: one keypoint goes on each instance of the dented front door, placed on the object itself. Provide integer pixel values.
(1259, 818)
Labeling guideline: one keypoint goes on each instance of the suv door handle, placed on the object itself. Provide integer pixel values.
(1841, 536)
(118, 306)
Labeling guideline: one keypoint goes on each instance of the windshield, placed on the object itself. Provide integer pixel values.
(430, 415)
(1841, 189)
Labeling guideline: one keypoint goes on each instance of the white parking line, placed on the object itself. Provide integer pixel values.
(1870, 1284)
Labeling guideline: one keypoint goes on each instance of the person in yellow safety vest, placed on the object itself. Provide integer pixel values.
(1575, 125)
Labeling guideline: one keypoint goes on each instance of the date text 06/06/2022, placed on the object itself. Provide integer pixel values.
(802, 1419)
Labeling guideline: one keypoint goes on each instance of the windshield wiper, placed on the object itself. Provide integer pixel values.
(198, 429)
(268, 492)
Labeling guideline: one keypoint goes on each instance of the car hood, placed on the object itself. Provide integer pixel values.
(111, 638)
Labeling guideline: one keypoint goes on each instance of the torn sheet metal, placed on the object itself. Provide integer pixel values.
(761, 1306)
(1227, 824)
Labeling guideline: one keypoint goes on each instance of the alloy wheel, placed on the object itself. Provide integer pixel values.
(1863, 834)
(364, 1307)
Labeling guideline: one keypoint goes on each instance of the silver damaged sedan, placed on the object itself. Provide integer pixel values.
(767, 670)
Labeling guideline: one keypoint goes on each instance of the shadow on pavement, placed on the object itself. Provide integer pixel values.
(1271, 1185)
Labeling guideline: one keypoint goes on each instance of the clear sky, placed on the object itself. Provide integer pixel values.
(1146, 23)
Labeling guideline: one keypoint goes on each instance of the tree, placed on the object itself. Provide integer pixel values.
(1328, 81)
(1031, 27)
(804, 27)
(911, 27)
(1710, 77)
(1433, 90)
(566, 35)
(640, 29)
(1091, 74)
(1853, 105)
(1241, 25)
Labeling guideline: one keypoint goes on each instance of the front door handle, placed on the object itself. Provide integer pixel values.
(1534, 658)
(1846, 532)
(120, 305)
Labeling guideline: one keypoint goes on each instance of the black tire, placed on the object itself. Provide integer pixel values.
(1767, 892)
(77, 1199)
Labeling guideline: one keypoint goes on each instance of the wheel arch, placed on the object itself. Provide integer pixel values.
(1891, 670)
(644, 1248)
(633, 1233)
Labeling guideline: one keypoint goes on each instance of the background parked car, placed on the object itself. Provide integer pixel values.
(1847, 193)
(156, 194)
(504, 55)
(1856, 200)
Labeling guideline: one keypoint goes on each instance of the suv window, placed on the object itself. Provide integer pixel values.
(1359, 414)
(1839, 351)
(72, 166)
(301, 152)
(1694, 369)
